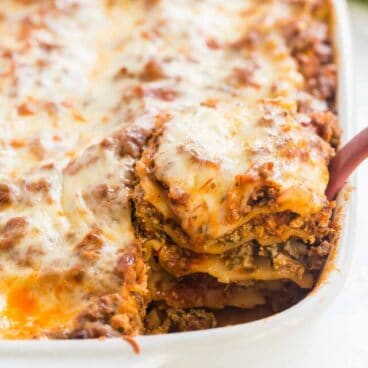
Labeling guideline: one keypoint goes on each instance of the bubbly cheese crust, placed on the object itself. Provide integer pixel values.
(70, 261)
(134, 146)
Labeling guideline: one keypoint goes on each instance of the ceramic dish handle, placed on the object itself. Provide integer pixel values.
(346, 161)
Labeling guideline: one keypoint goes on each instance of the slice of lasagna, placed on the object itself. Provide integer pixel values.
(230, 202)
(235, 192)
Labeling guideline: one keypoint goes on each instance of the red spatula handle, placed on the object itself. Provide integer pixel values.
(346, 161)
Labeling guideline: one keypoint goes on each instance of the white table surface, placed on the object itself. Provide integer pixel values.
(341, 334)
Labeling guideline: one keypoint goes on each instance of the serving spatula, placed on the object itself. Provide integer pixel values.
(346, 161)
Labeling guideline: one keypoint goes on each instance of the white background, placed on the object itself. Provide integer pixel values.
(341, 334)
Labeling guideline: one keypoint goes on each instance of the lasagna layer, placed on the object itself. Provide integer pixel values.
(201, 290)
(243, 264)
(199, 301)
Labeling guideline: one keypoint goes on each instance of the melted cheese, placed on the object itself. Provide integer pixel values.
(76, 74)
(60, 105)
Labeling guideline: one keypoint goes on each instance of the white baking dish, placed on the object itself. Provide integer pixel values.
(255, 344)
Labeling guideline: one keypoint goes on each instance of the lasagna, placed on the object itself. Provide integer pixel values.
(163, 163)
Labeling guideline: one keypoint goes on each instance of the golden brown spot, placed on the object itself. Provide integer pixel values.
(265, 170)
(163, 93)
(40, 185)
(152, 71)
(131, 141)
(79, 117)
(326, 126)
(210, 102)
(6, 195)
(212, 44)
(28, 26)
(26, 109)
(123, 72)
(48, 166)
(90, 246)
(48, 47)
(32, 255)
(151, 3)
(244, 76)
(17, 143)
(37, 148)
(12, 232)
(250, 40)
